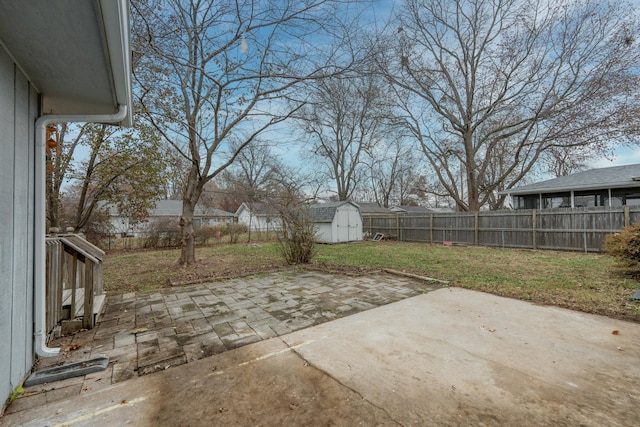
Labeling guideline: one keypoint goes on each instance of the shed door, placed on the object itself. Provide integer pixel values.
(347, 225)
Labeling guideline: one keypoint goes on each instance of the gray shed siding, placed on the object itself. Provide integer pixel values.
(18, 112)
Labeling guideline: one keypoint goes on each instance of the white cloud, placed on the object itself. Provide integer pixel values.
(622, 156)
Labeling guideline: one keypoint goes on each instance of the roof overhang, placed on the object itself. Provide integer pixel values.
(542, 190)
(75, 53)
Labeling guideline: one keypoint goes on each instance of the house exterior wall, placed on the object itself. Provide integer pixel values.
(18, 111)
(258, 222)
(121, 226)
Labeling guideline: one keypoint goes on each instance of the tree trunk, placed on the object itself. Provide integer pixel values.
(190, 197)
(188, 250)
(52, 204)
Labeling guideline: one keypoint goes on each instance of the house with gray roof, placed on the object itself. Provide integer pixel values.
(372, 209)
(410, 210)
(612, 186)
(336, 222)
(166, 212)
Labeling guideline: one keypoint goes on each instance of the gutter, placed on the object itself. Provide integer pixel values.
(40, 291)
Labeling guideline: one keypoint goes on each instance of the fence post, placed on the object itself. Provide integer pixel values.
(398, 227)
(475, 228)
(87, 319)
(430, 228)
(626, 216)
(533, 230)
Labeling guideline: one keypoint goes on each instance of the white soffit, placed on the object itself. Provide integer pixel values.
(75, 52)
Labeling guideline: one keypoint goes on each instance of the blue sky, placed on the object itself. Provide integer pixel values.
(623, 156)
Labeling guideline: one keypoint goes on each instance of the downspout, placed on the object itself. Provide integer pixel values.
(40, 291)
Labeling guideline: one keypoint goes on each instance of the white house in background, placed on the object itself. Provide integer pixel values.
(60, 61)
(164, 212)
(336, 222)
(259, 217)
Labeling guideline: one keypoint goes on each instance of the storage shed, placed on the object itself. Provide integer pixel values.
(337, 222)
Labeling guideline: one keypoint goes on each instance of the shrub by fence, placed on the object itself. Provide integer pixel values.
(580, 229)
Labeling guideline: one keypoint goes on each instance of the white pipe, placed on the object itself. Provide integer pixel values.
(40, 291)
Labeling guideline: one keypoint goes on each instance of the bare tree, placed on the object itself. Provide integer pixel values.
(343, 120)
(482, 81)
(560, 161)
(393, 172)
(212, 76)
(253, 172)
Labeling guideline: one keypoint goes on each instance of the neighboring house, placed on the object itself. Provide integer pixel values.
(259, 217)
(337, 222)
(612, 186)
(372, 209)
(165, 211)
(411, 210)
(60, 61)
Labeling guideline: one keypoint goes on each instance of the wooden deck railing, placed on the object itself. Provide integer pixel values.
(74, 280)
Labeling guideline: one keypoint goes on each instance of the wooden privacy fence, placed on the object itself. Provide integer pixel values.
(73, 280)
(580, 229)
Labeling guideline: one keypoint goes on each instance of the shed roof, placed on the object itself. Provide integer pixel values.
(594, 179)
(324, 212)
(76, 53)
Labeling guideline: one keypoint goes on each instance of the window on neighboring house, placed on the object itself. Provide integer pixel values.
(589, 199)
(527, 202)
(625, 197)
(197, 222)
(560, 200)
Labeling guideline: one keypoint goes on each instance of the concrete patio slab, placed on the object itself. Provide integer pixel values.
(449, 357)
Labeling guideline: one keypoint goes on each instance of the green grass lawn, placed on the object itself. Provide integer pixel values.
(585, 282)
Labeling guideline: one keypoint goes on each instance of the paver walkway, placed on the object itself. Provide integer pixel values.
(151, 331)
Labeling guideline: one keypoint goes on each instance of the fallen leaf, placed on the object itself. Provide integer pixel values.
(73, 347)
(292, 406)
(139, 330)
(123, 402)
(616, 332)
(486, 328)
(221, 410)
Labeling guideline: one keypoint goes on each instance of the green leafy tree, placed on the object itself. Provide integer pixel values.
(123, 168)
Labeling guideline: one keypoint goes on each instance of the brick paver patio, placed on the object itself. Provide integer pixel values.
(150, 331)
